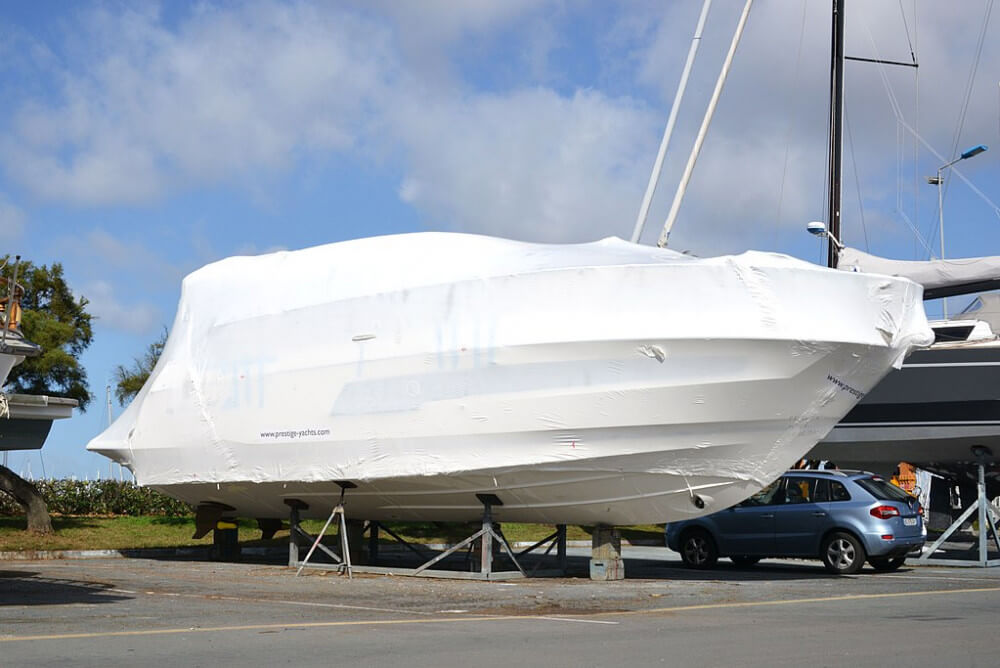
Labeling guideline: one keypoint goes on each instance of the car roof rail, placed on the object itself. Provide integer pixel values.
(837, 472)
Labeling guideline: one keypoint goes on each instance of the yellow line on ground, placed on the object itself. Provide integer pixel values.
(255, 627)
(797, 601)
(452, 620)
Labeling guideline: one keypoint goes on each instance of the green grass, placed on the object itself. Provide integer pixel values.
(117, 533)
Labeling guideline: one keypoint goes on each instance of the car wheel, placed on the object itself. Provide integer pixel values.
(744, 561)
(843, 554)
(886, 564)
(698, 549)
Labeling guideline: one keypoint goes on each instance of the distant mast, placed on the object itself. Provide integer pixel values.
(836, 129)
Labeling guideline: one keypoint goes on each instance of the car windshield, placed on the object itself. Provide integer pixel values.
(882, 490)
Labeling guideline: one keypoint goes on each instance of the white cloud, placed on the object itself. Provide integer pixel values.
(426, 31)
(226, 94)
(136, 318)
(232, 94)
(12, 220)
(529, 165)
(105, 253)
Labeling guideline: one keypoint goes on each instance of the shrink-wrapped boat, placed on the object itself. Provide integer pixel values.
(605, 382)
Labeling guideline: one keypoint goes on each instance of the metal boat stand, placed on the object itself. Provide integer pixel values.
(988, 518)
(342, 561)
(485, 541)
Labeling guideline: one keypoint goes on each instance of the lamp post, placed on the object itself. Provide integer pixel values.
(938, 181)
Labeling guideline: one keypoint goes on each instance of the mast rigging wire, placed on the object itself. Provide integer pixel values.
(954, 168)
(857, 181)
(897, 110)
(906, 29)
(788, 127)
(969, 85)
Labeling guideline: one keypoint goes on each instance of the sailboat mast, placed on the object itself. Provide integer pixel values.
(836, 128)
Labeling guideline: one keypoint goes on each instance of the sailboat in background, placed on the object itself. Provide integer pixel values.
(941, 410)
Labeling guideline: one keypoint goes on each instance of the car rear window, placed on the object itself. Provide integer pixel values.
(825, 490)
(882, 490)
(799, 489)
(838, 492)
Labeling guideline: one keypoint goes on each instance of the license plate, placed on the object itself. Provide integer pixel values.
(910, 521)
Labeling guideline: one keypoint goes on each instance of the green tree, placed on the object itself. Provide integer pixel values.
(57, 321)
(128, 382)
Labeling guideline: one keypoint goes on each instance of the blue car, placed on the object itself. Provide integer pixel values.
(843, 518)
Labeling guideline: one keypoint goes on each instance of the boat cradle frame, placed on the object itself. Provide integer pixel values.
(987, 520)
(488, 539)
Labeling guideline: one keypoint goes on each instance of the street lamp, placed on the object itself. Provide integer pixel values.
(938, 181)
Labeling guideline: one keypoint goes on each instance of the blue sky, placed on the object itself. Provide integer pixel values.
(141, 141)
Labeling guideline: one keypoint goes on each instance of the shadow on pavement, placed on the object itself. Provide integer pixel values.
(728, 572)
(26, 588)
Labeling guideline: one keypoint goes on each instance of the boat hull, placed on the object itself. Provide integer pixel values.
(940, 411)
(604, 384)
(29, 418)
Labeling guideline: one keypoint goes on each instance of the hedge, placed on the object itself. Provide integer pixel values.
(98, 497)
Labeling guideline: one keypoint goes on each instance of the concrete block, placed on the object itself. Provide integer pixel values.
(611, 569)
(606, 554)
(606, 543)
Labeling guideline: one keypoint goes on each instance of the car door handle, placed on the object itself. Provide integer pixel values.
(768, 516)
(819, 513)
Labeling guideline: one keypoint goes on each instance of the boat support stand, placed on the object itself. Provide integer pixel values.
(342, 561)
(484, 541)
(988, 518)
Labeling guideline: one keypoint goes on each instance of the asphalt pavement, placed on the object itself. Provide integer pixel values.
(112, 612)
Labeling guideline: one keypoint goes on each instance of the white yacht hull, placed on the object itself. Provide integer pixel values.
(601, 383)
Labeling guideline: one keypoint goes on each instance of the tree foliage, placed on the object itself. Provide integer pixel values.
(57, 321)
(129, 381)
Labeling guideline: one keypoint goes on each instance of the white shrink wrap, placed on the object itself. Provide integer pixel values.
(594, 383)
(940, 278)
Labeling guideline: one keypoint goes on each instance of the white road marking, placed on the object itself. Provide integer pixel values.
(576, 619)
